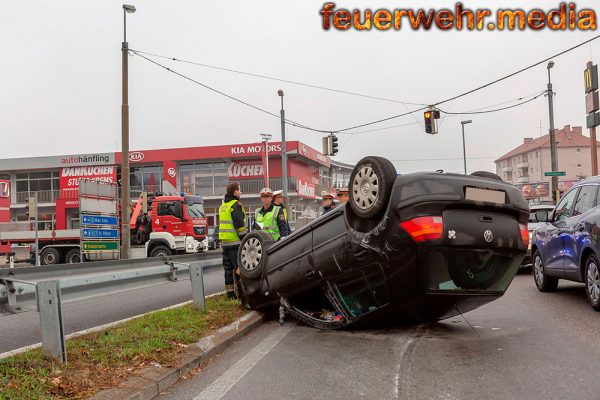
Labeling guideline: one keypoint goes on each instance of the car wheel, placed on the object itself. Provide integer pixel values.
(73, 257)
(371, 185)
(252, 254)
(50, 256)
(592, 287)
(543, 282)
(486, 174)
(160, 251)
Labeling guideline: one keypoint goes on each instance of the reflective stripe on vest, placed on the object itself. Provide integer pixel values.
(268, 221)
(227, 232)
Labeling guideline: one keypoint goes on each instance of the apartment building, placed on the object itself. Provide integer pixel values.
(524, 166)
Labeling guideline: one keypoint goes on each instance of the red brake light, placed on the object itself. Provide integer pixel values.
(424, 228)
(524, 234)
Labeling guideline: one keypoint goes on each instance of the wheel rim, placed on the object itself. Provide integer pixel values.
(161, 253)
(538, 271)
(365, 187)
(49, 258)
(593, 282)
(251, 254)
(75, 259)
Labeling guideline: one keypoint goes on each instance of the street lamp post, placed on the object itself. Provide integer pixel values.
(283, 152)
(463, 123)
(553, 153)
(125, 229)
(266, 137)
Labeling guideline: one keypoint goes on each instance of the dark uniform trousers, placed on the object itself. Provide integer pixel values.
(229, 265)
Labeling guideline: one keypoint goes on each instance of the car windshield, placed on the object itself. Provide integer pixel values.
(196, 210)
(532, 217)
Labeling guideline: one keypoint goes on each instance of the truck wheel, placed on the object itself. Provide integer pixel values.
(371, 185)
(252, 255)
(486, 174)
(160, 251)
(50, 256)
(73, 257)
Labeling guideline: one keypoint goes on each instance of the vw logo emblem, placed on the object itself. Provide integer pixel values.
(488, 236)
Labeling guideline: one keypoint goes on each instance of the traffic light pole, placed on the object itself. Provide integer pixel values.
(553, 154)
(283, 153)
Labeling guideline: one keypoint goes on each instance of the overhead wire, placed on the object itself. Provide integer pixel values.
(262, 76)
(491, 111)
(345, 130)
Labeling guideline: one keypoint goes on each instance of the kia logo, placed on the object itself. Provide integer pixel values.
(170, 171)
(488, 236)
(136, 156)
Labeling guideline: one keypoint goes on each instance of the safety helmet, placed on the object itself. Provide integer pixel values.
(266, 192)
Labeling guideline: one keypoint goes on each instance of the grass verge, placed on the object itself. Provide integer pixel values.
(105, 359)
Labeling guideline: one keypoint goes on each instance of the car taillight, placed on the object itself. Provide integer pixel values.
(424, 228)
(524, 234)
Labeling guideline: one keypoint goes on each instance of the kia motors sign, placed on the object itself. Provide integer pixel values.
(252, 169)
(69, 176)
(307, 190)
(136, 156)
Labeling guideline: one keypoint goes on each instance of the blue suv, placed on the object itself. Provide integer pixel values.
(566, 245)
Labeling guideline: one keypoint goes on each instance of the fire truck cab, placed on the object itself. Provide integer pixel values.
(176, 225)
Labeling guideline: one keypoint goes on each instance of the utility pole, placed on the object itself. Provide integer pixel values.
(463, 123)
(266, 138)
(125, 229)
(283, 152)
(553, 153)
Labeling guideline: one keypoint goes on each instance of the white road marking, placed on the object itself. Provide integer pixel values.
(225, 382)
(399, 368)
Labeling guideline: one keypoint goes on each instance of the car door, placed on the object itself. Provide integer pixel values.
(167, 221)
(575, 232)
(553, 251)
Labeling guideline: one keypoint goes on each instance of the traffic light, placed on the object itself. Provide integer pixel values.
(330, 145)
(334, 145)
(430, 124)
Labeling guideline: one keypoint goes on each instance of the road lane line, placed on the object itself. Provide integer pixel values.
(225, 382)
(404, 359)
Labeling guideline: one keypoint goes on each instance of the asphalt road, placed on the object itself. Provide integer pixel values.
(22, 329)
(526, 345)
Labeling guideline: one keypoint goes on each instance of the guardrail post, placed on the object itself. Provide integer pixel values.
(197, 286)
(51, 322)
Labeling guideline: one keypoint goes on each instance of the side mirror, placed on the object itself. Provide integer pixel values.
(542, 216)
(178, 211)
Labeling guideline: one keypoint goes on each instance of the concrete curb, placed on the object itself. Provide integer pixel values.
(151, 381)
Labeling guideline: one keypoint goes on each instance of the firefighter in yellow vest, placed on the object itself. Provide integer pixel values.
(278, 201)
(269, 217)
(232, 228)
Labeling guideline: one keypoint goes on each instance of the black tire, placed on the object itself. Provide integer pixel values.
(50, 256)
(592, 281)
(73, 257)
(252, 255)
(543, 282)
(371, 185)
(487, 174)
(160, 251)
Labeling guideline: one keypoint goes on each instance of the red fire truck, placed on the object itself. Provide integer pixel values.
(168, 224)
(177, 225)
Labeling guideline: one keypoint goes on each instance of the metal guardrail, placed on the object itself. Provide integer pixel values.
(46, 288)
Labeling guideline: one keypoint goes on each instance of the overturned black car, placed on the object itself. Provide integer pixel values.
(405, 248)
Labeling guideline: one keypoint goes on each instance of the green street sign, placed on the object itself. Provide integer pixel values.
(555, 173)
(100, 246)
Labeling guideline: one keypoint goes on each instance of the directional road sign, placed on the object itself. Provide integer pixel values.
(99, 220)
(91, 233)
(555, 173)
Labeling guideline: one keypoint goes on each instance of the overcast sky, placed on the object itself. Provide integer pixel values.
(60, 78)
